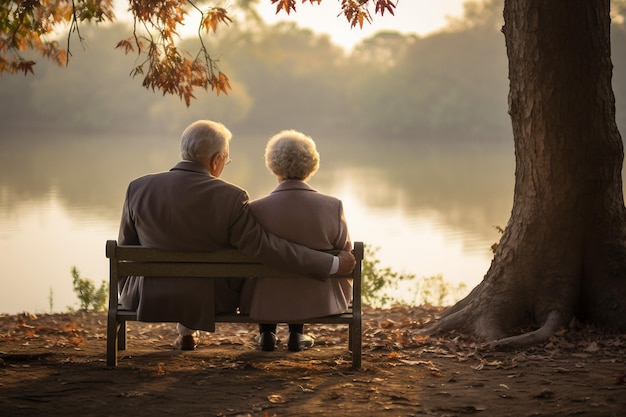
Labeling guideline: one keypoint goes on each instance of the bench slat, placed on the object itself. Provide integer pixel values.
(196, 269)
(345, 318)
(142, 254)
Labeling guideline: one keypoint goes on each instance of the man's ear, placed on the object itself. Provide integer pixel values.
(214, 160)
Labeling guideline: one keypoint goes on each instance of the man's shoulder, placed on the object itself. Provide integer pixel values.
(145, 178)
(187, 180)
(229, 186)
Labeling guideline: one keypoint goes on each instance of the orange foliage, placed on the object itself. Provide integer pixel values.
(286, 5)
(214, 17)
(167, 68)
(24, 26)
(355, 11)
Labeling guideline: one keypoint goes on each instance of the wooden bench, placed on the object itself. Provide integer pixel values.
(147, 262)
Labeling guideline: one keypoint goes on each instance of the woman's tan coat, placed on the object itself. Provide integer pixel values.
(297, 212)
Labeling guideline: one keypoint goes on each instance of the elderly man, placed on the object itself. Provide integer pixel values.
(190, 208)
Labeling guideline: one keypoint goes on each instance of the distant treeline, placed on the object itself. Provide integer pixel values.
(449, 86)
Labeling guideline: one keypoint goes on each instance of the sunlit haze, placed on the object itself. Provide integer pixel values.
(411, 16)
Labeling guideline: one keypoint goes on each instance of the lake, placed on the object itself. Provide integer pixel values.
(424, 210)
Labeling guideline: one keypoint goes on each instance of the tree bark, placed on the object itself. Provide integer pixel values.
(563, 252)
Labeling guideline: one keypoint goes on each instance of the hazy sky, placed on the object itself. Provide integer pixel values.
(411, 16)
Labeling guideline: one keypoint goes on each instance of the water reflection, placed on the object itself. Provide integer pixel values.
(60, 198)
(39, 248)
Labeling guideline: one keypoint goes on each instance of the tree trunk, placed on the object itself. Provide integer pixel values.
(563, 252)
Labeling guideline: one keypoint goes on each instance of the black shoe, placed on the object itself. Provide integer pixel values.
(299, 341)
(185, 343)
(267, 341)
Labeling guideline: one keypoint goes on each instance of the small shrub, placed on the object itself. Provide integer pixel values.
(85, 290)
(437, 292)
(379, 281)
(51, 299)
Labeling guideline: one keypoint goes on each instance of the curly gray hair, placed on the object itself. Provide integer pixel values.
(292, 155)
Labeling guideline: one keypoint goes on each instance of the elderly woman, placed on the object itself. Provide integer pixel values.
(297, 212)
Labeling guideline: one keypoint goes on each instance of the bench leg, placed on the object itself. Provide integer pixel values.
(121, 335)
(112, 331)
(355, 343)
(350, 339)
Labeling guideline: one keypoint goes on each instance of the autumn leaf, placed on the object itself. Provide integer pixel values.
(26, 67)
(76, 341)
(220, 83)
(161, 369)
(276, 399)
(126, 45)
(215, 16)
(286, 5)
(71, 326)
(382, 5)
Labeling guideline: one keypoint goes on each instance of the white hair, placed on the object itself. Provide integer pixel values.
(202, 139)
(292, 155)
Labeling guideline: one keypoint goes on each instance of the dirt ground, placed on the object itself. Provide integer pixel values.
(54, 365)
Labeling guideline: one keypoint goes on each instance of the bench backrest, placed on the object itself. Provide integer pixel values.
(126, 260)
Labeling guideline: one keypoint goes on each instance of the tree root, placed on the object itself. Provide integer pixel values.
(457, 320)
(553, 322)
(460, 305)
(451, 321)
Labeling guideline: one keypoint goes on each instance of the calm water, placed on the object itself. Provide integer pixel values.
(429, 212)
